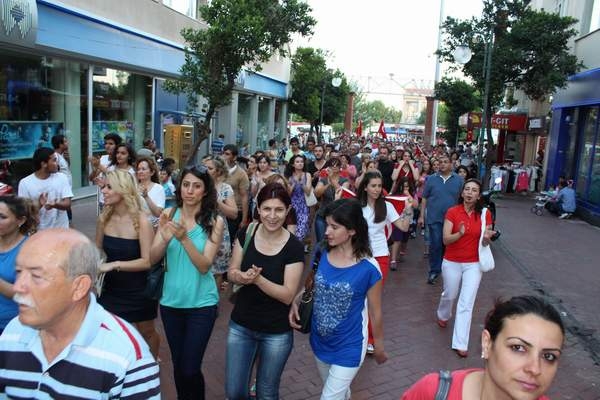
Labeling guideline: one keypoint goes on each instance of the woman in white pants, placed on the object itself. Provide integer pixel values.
(460, 266)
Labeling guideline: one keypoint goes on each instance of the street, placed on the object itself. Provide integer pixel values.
(535, 255)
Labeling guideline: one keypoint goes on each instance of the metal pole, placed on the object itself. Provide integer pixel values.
(437, 76)
(320, 134)
(489, 46)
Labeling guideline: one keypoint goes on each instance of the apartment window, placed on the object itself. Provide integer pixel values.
(187, 7)
(590, 17)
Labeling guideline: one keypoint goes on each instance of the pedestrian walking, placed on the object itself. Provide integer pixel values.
(347, 282)
(460, 266)
(300, 186)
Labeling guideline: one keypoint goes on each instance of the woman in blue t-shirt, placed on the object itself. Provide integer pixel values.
(17, 222)
(347, 284)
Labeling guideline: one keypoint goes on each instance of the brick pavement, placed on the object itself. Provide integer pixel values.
(532, 255)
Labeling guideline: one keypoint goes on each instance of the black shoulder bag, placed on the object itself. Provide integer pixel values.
(306, 302)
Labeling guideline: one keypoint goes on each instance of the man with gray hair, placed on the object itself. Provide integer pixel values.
(64, 344)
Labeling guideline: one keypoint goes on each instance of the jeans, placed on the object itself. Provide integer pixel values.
(270, 351)
(320, 226)
(336, 380)
(436, 247)
(466, 278)
(188, 331)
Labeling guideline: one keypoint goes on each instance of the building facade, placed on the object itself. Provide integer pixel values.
(574, 142)
(86, 68)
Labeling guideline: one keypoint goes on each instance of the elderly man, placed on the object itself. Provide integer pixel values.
(63, 344)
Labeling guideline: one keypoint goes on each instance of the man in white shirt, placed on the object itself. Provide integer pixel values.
(61, 146)
(49, 190)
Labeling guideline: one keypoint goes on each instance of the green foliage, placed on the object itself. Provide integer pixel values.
(528, 48)
(310, 76)
(459, 97)
(374, 111)
(239, 34)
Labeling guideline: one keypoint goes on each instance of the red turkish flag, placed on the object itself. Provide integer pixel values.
(359, 128)
(348, 194)
(381, 130)
(399, 202)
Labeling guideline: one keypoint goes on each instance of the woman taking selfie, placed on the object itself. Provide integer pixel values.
(348, 279)
(460, 266)
(189, 237)
(125, 233)
(521, 346)
(269, 272)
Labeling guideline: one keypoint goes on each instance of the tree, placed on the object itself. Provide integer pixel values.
(374, 111)
(442, 116)
(311, 79)
(528, 48)
(239, 34)
(459, 97)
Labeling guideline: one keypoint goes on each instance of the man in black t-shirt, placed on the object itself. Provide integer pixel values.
(314, 167)
(386, 167)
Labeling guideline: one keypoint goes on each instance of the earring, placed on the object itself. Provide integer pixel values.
(482, 355)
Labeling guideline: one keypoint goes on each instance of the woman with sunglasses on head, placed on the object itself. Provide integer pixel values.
(521, 345)
(348, 283)
(460, 265)
(125, 234)
(17, 222)
(149, 188)
(269, 271)
(300, 185)
(189, 238)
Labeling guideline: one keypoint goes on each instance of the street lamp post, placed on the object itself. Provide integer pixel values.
(335, 82)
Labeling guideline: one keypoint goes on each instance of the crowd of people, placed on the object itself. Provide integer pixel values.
(242, 227)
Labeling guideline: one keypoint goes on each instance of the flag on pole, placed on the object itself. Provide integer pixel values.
(359, 128)
(418, 151)
(381, 130)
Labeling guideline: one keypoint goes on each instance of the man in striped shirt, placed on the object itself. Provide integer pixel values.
(64, 344)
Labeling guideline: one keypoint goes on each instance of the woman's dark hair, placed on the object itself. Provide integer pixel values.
(348, 213)
(464, 168)
(289, 169)
(273, 191)
(263, 157)
(400, 187)
(151, 164)
(479, 204)
(347, 158)
(205, 217)
(518, 306)
(380, 209)
(409, 152)
(22, 207)
(333, 161)
(429, 170)
(130, 154)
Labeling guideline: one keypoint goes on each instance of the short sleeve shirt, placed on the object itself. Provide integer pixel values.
(465, 249)
(254, 309)
(57, 187)
(339, 322)
(377, 230)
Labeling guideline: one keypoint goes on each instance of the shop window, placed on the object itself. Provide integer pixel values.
(243, 119)
(586, 149)
(122, 105)
(186, 7)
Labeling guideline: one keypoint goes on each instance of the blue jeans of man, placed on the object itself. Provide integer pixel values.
(270, 351)
(188, 331)
(436, 247)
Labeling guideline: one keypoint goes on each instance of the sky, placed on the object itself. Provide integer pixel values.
(376, 38)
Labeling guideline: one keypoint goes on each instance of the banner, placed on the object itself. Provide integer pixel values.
(19, 140)
(125, 129)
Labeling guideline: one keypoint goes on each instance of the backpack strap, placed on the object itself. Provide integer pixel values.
(444, 385)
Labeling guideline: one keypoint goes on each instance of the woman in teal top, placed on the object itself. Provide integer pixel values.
(17, 222)
(189, 237)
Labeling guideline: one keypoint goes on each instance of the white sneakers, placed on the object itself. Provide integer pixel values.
(565, 216)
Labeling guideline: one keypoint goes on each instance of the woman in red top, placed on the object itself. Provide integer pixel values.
(461, 232)
(521, 345)
(406, 168)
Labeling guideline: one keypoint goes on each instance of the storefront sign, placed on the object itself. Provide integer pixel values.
(18, 22)
(508, 122)
(536, 123)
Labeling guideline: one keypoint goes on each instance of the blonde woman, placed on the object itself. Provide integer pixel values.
(125, 234)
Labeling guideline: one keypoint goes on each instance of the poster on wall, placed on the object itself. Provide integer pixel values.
(19, 140)
(124, 129)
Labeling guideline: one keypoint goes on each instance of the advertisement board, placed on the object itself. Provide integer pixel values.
(125, 129)
(19, 139)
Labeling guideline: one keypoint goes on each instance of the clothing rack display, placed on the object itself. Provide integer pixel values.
(515, 178)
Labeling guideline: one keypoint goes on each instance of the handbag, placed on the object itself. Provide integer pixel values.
(249, 233)
(305, 308)
(486, 258)
(156, 275)
(310, 198)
